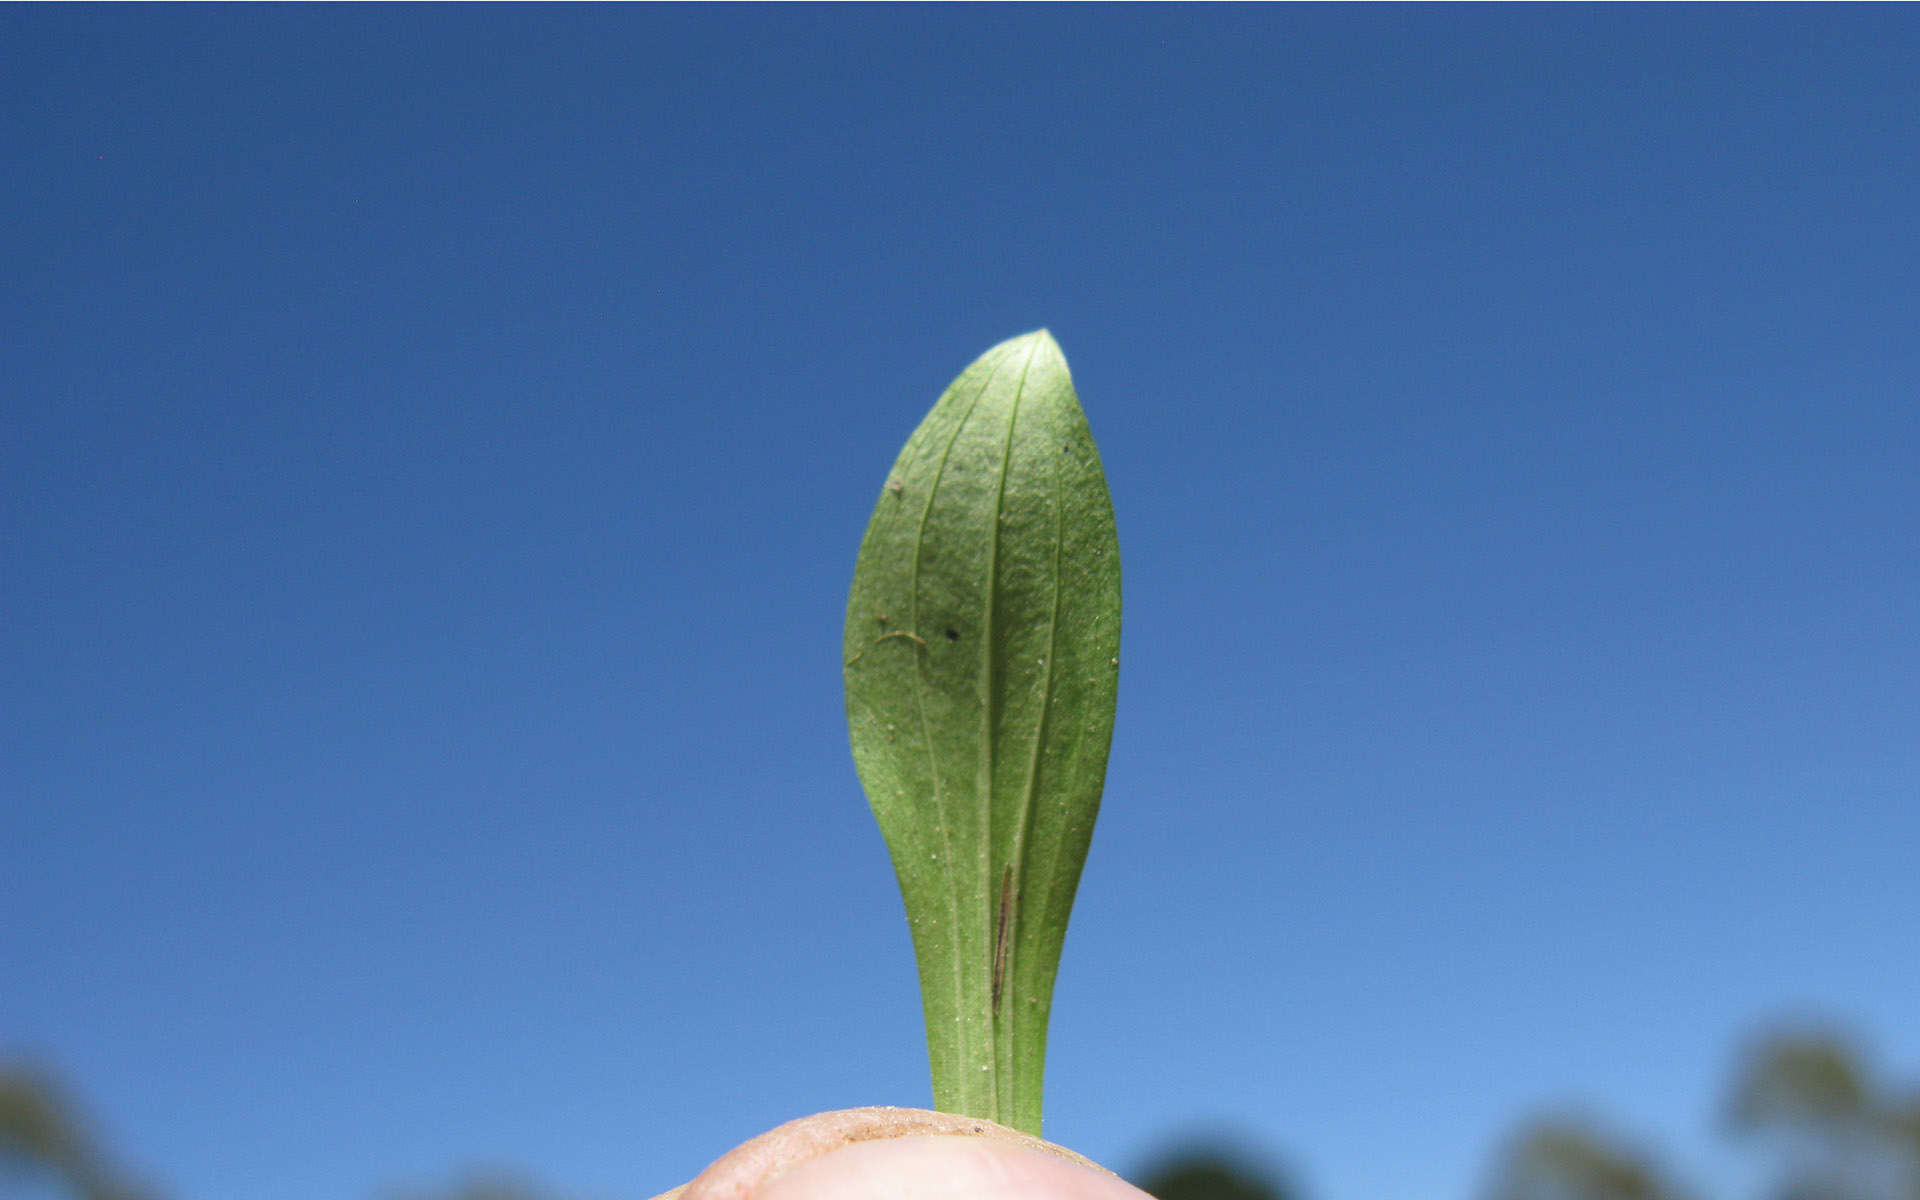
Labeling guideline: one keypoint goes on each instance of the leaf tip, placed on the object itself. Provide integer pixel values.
(1040, 344)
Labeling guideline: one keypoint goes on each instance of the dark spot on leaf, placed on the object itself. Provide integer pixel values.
(953, 635)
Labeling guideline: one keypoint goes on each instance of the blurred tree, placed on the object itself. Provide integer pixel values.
(1842, 1138)
(1207, 1172)
(1799, 1080)
(1809, 1093)
(1568, 1158)
(41, 1134)
(1902, 1120)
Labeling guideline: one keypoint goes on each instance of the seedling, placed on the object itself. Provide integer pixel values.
(981, 717)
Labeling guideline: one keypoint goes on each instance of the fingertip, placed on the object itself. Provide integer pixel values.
(943, 1167)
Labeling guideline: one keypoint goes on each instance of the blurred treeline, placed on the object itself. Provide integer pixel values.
(1808, 1101)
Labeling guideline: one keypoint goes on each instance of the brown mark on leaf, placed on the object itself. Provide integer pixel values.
(1002, 928)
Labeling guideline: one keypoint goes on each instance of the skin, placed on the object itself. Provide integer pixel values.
(900, 1153)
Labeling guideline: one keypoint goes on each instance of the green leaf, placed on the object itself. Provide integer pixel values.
(981, 659)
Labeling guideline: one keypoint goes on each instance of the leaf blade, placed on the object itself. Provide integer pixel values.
(981, 653)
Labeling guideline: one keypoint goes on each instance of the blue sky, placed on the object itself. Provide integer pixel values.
(436, 441)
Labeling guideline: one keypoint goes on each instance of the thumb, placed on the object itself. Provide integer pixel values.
(857, 1153)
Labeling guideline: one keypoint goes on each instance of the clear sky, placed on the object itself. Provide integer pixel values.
(436, 441)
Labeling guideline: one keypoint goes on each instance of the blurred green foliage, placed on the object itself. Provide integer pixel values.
(1807, 1097)
(43, 1135)
(1203, 1172)
(1838, 1133)
(1572, 1158)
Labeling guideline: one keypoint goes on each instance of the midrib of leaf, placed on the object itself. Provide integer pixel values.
(1023, 877)
(1000, 1029)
